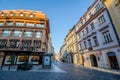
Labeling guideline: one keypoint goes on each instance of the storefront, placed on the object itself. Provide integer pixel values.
(20, 57)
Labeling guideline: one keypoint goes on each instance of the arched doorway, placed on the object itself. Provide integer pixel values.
(93, 61)
(70, 57)
(113, 60)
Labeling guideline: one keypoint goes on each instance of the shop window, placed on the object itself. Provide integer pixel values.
(23, 59)
(35, 58)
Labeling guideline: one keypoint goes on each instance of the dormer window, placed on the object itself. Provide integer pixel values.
(21, 14)
(3, 14)
(31, 15)
(12, 14)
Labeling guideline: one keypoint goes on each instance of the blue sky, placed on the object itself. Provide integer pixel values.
(62, 14)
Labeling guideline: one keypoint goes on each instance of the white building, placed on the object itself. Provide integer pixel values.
(97, 41)
(50, 46)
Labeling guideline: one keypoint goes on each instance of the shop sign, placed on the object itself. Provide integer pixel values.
(99, 53)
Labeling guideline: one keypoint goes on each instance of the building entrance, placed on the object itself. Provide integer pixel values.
(113, 60)
(93, 61)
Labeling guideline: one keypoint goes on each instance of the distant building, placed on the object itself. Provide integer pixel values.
(97, 41)
(68, 50)
(24, 36)
(50, 46)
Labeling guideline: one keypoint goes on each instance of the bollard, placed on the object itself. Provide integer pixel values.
(9, 67)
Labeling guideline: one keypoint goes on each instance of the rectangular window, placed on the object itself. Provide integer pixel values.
(89, 42)
(40, 25)
(9, 23)
(37, 44)
(95, 40)
(35, 58)
(87, 30)
(101, 19)
(85, 44)
(28, 34)
(38, 34)
(83, 33)
(1, 23)
(80, 47)
(6, 33)
(97, 7)
(19, 23)
(3, 43)
(90, 15)
(107, 37)
(30, 24)
(8, 58)
(17, 33)
(92, 26)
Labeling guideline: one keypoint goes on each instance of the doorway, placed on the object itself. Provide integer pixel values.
(93, 61)
(113, 60)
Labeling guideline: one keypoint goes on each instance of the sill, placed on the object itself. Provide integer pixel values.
(108, 42)
(96, 45)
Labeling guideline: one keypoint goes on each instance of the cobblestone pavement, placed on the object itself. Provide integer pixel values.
(59, 71)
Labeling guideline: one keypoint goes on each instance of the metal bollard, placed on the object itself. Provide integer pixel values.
(9, 67)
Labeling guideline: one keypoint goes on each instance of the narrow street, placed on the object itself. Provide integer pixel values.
(59, 71)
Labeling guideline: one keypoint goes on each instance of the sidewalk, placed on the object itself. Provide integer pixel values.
(8, 68)
(53, 68)
(95, 68)
(107, 70)
(35, 68)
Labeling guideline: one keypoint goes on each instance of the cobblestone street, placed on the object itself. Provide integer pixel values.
(63, 72)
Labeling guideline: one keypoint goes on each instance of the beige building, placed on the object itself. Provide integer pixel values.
(70, 49)
(23, 36)
(113, 7)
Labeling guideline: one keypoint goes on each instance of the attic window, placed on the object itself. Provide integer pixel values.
(31, 15)
(21, 14)
(3, 14)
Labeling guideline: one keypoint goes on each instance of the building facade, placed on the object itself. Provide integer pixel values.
(97, 41)
(69, 49)
(50, 46)
(113, 7)
(24, 36)
(62, 52)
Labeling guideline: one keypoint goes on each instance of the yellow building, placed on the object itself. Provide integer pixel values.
(71, 41)
(113, 7)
